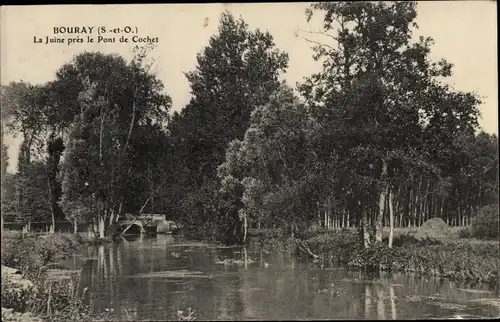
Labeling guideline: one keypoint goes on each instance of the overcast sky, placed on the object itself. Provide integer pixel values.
(465, 33)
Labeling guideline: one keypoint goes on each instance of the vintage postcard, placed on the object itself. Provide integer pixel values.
(250, 161)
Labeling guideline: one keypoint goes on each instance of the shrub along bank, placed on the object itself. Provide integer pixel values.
(453, 259)
(485, 225)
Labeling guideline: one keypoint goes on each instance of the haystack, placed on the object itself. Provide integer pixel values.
(434, 228)
(435, 224)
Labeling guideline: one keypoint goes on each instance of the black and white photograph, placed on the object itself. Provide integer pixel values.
(250, 161)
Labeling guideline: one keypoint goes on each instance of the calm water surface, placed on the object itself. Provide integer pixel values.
(153, 278)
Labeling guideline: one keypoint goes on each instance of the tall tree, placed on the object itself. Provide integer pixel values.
(271, 171)
(237, 72)
(27, 108)
(115, 99)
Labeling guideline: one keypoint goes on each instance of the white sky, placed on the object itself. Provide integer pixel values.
(465, 33)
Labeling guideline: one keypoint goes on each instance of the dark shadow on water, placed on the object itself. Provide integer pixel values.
(132, 237)
(132, 230)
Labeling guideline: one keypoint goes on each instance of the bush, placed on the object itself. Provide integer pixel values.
(485, 224)
(23, 255)
(465, 232)
(408, 239)
(337, 245)
(31, 254)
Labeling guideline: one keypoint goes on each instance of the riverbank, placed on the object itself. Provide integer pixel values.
(31, 290)
(418, 251)
(458, 260)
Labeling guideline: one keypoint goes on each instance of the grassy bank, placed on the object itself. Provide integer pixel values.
(456, 259)
(30, 290)
(422, 251)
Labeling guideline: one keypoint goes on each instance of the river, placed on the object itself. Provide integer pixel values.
(153, 278)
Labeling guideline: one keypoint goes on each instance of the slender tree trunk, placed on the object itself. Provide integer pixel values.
(425, 211)
(381, 204)
(391, 220)
(245, 227)
(432, 206)
(319, 215)
(378, 220)
(111, 218)
(416, 213)
(406, 205)
(441, 208)
(364, 223)
(90, 231)
(101, 131)
(101, 225)
(75, 226)
(410, 205)
(52, 228)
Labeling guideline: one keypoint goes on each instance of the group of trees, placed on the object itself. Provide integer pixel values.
(91, 139)
(375, 139)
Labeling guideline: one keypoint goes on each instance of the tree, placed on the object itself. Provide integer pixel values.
(236, 73)
(26, 110)
(271, 172)
(32, 112)
(115, 99)
(379, 95)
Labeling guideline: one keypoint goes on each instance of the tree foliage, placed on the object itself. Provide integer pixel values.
(116, 101)
(237, 72)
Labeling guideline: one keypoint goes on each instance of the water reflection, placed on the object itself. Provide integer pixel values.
(261, 286)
